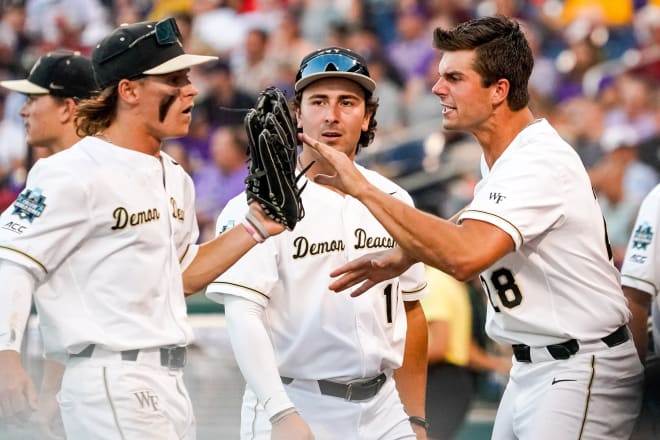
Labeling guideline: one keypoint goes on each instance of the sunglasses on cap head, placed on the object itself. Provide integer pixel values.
(334, 62)
(331, 60)
(166, 32)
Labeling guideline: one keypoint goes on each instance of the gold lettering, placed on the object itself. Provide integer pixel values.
(177, 213)
(365, 241)
(123, 218)
(303, 247)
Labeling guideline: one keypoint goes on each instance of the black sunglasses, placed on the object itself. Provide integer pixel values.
(331, 62)
(166, 32)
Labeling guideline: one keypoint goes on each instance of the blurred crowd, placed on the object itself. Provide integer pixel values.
(595, 76)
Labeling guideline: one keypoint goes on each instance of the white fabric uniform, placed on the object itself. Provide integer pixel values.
(640, 266)
(557, 285)
(109, 230)
(315, 333)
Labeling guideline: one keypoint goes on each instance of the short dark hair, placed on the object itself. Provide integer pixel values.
(501, 49)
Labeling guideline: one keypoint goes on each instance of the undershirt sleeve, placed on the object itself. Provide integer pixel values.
(254, 352)
(15, 302)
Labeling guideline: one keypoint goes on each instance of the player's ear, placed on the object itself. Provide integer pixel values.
(500, 90)
(127, 90)
(298, 123)
(67, 110)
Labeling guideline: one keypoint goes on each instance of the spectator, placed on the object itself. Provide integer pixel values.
(220, 179)
(223, 103)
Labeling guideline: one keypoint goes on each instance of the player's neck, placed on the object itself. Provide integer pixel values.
(497, 134)
(132, 139)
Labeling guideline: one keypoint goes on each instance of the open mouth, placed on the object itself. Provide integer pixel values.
(188, 110)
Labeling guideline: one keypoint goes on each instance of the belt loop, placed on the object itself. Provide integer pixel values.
(349, 391)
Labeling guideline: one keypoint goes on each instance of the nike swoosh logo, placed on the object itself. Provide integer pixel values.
(392, 193)
(52, 85)
(554, 381)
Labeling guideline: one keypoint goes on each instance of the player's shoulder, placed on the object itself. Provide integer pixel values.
(71, 160)
(653, 197)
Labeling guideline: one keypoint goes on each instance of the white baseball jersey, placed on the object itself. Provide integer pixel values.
(109, 229)
(640, 266)
(316, 333)
(559, 282)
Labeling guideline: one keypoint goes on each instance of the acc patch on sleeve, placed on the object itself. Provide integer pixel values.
(30, 204)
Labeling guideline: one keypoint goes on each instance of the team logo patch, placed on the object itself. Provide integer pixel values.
(642, 237)
(230, 224)
(30, 204)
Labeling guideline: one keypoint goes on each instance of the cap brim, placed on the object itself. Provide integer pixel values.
(24, 86)
(362, 80)
(180, 62)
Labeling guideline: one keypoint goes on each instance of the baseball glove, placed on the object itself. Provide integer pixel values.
(272, 145)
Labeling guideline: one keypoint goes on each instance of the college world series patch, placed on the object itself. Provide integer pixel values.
(642, 236)
(30, 204)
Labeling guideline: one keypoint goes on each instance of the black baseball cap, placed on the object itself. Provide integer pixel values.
(144, 48)
(60, 73)
(333, 62)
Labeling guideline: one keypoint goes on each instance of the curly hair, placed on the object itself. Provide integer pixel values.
(501, 49)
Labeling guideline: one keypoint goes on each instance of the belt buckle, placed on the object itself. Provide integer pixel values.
(349, 391)
(176, 357)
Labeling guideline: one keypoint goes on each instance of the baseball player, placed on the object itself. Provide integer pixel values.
(640, 278)
(55, 85)
(110, 225)
(317, 364)
(533, 234)
(640, 274)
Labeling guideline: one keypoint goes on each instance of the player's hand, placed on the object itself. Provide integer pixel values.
(291, 427)
(17, 396)
(347, 178)
(272, 227)
(420, 432)
(370, 270)
(46, 421)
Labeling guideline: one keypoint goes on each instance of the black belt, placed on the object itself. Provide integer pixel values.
(354, 391)
(173, 357)
(570, 347)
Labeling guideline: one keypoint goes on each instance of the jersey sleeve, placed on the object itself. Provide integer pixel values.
(240, 279)
(47, 221)
(510, 200)
(640, 268)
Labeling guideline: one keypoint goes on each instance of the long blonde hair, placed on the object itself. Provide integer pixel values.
(95, 114)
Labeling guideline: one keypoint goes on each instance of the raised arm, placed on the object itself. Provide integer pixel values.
(462, 250)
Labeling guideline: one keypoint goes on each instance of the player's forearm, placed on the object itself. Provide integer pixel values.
(429, 239)
(15, 301)
(638, 302)
(411, 377)
(216, 256)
